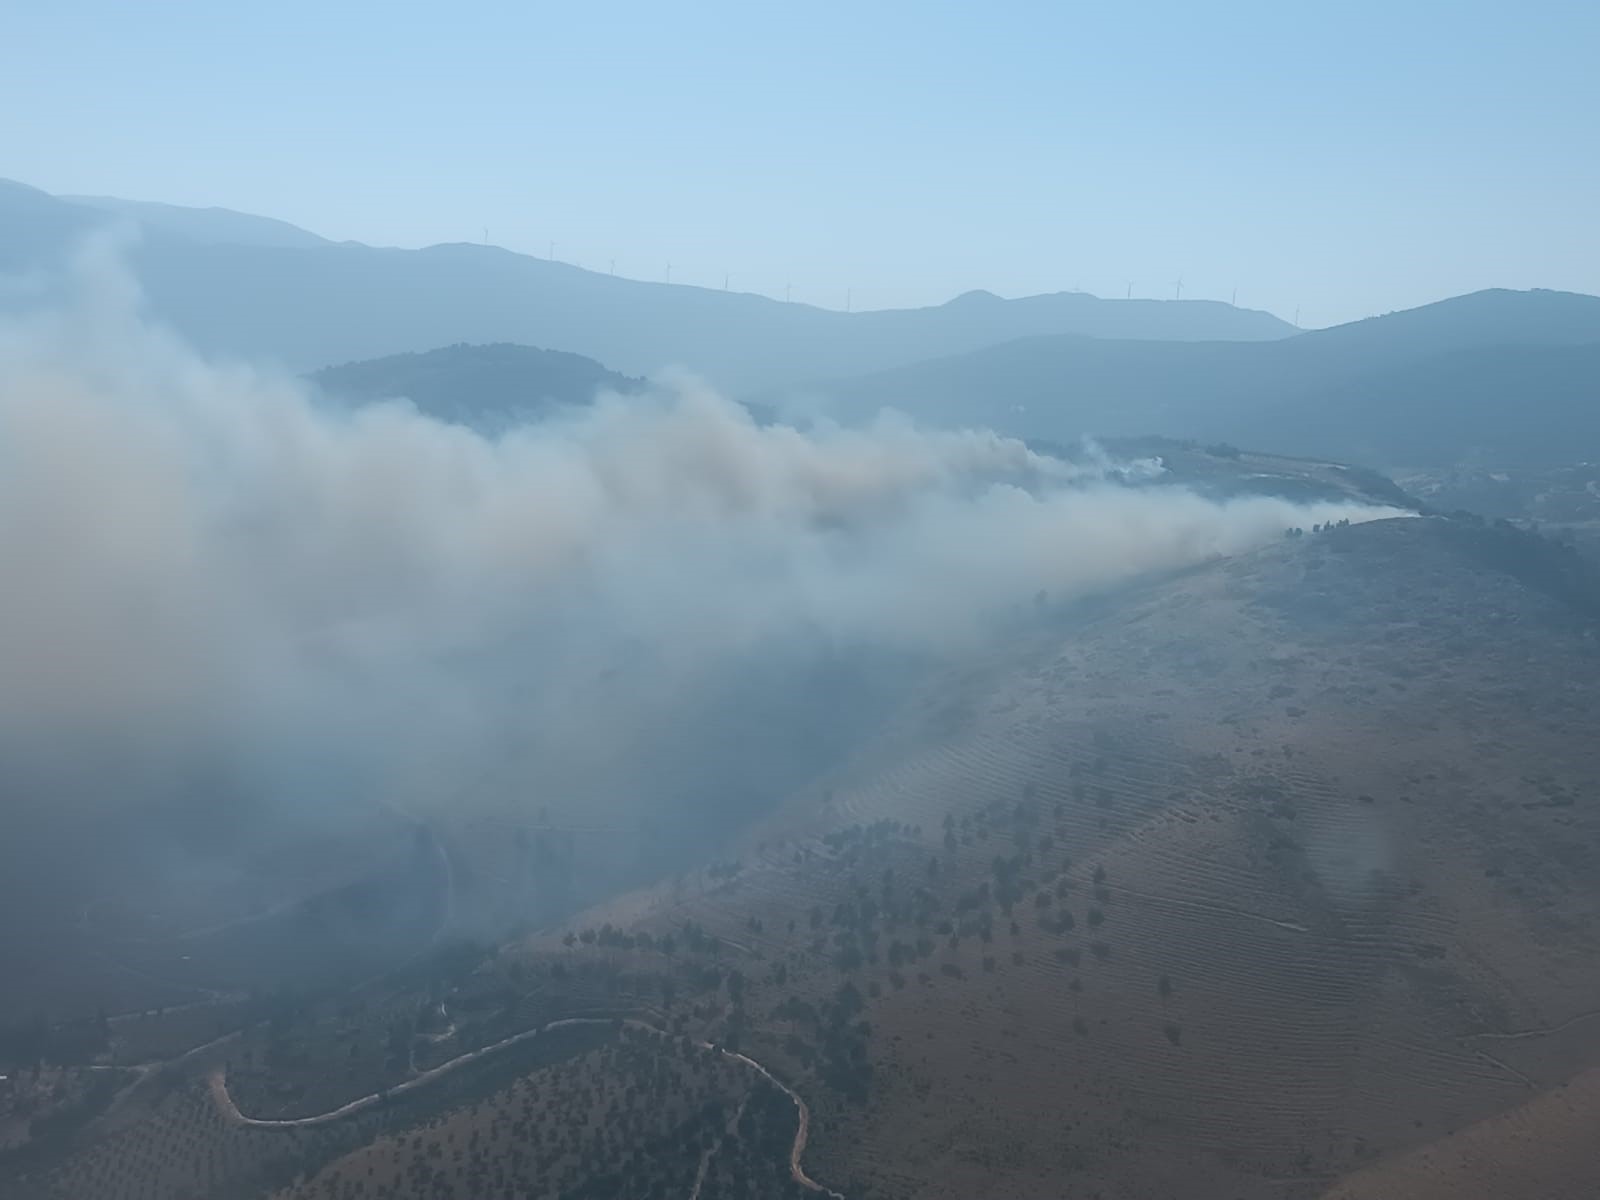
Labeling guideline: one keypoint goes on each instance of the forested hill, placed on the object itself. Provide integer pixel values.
(487, 387)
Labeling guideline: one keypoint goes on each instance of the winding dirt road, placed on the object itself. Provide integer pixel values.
(803, 1129)
(218, 1082)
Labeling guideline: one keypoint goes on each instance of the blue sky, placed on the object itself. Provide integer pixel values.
(1344, 158)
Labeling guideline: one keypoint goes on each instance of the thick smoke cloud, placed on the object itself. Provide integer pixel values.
(203, 565)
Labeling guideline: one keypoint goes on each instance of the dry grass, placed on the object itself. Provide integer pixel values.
(1540, 1150)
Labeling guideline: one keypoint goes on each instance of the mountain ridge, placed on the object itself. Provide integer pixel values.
(310, 305)
(209, 224)
(1388, 390)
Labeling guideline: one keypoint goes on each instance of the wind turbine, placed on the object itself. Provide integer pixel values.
(1129, 296)
(1179, 286)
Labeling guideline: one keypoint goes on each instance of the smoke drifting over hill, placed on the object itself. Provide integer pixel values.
(205, 567)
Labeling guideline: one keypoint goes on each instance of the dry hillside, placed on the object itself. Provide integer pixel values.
(1273, 871)
(1267, 879)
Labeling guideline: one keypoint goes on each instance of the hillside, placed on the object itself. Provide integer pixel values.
(487, 387)
(1506, 375)
(1499, 405)
(1264, 874)
(1269, 873)
(310, 304)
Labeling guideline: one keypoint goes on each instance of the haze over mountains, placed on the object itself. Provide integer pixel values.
(312, 304)
(712, 747)
(1499, 377)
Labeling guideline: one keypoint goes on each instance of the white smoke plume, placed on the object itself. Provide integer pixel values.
(202, 563)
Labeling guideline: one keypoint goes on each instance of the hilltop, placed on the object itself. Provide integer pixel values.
(487, 387)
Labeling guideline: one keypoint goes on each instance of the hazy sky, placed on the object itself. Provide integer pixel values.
(1343, 158)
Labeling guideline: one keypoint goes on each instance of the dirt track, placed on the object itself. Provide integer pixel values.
(218, 1082)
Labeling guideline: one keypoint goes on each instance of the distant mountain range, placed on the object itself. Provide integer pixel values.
(248, 286)
(1499, 375)
(1495, 376)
